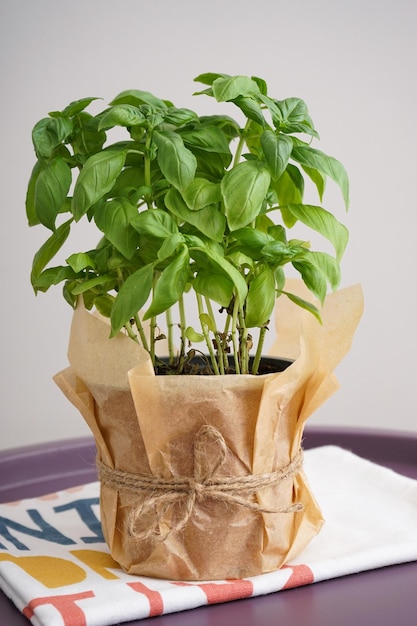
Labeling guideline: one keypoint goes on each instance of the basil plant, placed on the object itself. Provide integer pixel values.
(187, 207)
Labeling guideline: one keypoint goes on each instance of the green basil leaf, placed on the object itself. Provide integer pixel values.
(273, 108)
(193, 336)
(74, 108)
(208, 78)
(115, 221)
(301, 127)
(280, 279)
(121, 115)
(51, 189)
(155, 222)
(179, 117)
(107, 281)
(263, 87)
(96, 179)
(171, 284)
(132, 296)
(226, 124)
(310, 157)
(313, 278)
(209, 138)
(137, 97)
(318, 179)
(209, 220)
(263, 222)
(80, 261)
(87, 138)
(31, 214)
(49, 249)
(324, 223)
(205, 92)
(49, 133)
(278, 233)
(304, 304)
(289, 187)
(177, 163)
(170, 245)
(53, 276)
(279, 252)
(251, 108)
(240, 260)
(251, 242)
(130, 184)
(211, 165)
(208, 258)
(208, 321)
(216, 286)
(277, 150)
(328, 265)
(67, 293)
(200, 193)
(260, 300)
(293, 111)
(231, 87)
(193, 241)
(244, 189)
(104, 304)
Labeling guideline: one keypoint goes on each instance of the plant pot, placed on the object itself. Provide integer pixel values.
(219, 432)
(201, 476)
(167, 427)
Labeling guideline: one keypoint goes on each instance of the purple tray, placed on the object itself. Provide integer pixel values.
(384, 596)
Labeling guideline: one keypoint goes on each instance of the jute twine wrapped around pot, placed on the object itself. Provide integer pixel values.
(188, 491)
(201, 476)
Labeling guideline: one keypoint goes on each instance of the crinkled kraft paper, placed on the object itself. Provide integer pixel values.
(147, 425)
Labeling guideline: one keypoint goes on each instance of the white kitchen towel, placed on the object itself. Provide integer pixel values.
(56, 568)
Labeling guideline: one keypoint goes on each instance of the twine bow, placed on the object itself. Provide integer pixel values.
(161, 494)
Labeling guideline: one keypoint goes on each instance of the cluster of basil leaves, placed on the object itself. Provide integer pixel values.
(185, 202)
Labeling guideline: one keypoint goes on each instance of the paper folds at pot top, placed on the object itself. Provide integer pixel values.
(151, 426)
(317, 348)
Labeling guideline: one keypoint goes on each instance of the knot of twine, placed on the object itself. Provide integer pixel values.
(162, 494)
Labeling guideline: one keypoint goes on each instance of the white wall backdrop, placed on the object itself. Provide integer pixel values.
(355, 65)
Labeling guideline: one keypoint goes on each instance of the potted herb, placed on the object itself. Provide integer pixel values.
(189, 209)
(185, 202)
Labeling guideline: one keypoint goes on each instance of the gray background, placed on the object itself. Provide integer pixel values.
(355, 65)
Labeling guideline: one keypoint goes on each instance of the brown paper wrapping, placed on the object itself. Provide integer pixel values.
(147, 425)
